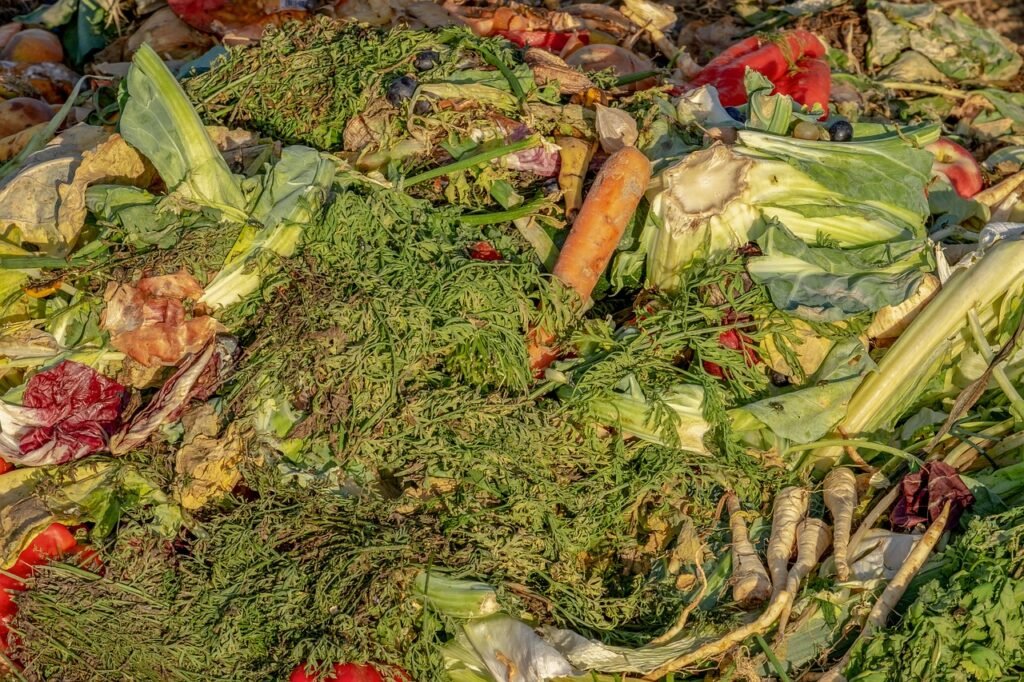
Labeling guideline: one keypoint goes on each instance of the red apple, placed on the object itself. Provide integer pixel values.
(958, 166)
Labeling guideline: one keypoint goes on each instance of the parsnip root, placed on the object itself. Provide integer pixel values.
(751, 586)
(789, 508)
(894, 590)
(840, 491)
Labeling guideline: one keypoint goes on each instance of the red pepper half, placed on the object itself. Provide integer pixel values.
(793, 62)
(56, 542)
(809, 84)
(552, 41)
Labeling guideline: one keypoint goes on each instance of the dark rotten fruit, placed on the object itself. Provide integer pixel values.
(22, 112)
(840, 131)
(426, 60)
(401, 89)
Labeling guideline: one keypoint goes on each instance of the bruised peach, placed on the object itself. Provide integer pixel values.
(8, 31)
(33, 46)
(22, 112)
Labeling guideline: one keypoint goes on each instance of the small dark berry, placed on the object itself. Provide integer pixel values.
(421, 108)
(401, 89)
(736, 115)
(840, 131)
(426, 60)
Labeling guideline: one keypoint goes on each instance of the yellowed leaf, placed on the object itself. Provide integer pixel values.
(113, 161)
(207, 466)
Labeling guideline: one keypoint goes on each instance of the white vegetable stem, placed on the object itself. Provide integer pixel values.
(932, 339)
(790, 507)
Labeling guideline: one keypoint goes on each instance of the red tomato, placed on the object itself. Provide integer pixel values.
(484, 251)
(52, 543)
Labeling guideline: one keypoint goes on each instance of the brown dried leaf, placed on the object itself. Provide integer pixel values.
(111, 162)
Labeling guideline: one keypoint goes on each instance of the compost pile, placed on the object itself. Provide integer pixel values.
(366, 341)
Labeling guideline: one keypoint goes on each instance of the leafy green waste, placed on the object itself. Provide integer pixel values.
(305, 83)
(966, 621)
(384, 386)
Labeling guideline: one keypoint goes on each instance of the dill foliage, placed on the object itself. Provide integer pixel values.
(413, 437)
(303, 83)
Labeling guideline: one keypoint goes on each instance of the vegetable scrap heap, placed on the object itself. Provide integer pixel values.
(494, 343)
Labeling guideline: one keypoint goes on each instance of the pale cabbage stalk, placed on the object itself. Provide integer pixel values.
(854, 193)
(937, 337)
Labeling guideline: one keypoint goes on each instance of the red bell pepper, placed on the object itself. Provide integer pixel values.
(5, 466)
(810, 83)
(793, 62)
(552, 41)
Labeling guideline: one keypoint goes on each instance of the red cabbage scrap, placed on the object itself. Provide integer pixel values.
(925, 492)
(71, 410)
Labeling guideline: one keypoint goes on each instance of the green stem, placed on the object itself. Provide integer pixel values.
(772, 659)
(635, 77)
(856, 443)
(35, 262)
(998, 373)
(513, 82)
(520, 211)
(924, 87)
(471, 161)
(541, 242)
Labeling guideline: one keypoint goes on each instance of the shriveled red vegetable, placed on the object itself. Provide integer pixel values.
(924, 493)
(5, 466)
(792, 61)
(68, 412)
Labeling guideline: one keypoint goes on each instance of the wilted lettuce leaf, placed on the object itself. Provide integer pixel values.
(807, 414)
(822, 283)
(952, 42)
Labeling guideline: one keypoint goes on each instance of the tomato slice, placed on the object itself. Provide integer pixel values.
(349, 672)
(52, 543)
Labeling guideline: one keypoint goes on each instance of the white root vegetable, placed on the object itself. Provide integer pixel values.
(789, 508)
(721, 646)
(750, 584)
(840, 491)
(894, 591)
(813, 538)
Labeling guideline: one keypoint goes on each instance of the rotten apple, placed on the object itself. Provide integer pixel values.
(958, 166)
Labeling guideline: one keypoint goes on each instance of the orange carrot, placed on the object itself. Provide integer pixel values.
(606, 211)
(611, 202)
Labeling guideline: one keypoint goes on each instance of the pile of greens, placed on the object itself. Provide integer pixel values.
(355, 460)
